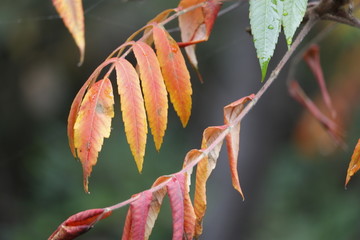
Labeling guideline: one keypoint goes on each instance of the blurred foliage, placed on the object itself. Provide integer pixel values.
(301, 197)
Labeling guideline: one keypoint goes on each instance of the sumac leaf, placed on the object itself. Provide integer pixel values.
(177, 207)
(175, 73)
(139, 212)
(93, 124)
(79, 223)
(72, 13)
(231, 112)
(154, 90)
(265, 21)
(293, 14)
(203, 171)
(133, 109)
(354, 165)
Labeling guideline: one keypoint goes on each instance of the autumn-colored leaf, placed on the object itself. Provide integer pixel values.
(79, 223)
(139, 212)
(93, 124)
(155, 206)
(154, 90)
(71, 11)
(158, 19)
(127, 226)
(231, 112)
(177, 207)
(203, 171)
(133, 110)
(175, 73)
(75, 107)
(312, 58)
(354, 165)
(196, 25)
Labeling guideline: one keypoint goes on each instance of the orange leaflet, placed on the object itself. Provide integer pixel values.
(93, 124)
(155, 206)
(79, 223)
(196, 25)
(71, 11)
(203, 171)
(354, 165)
(175, 73)
(132, 108)
(177, 207)
(154, 90)
(232, 111)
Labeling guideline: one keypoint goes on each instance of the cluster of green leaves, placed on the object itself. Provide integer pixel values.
(266, 19)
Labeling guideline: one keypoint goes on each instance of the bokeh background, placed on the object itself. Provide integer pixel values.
(291, 173)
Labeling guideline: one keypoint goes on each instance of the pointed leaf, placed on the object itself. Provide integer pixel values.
(203, 171)
(155, 206)
(93, 124)
(71, 11)
(189, 212)
(154, 90)
(177, 207)
(293, 14)
(139, 213)
(175, 73)
(232, 111)
(132, 108)
(265, 19)
(79, 223)
(158, 19)
(354, 165)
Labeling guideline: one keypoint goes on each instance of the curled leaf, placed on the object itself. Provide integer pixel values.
(72, 13)
(132, 108)
(79, 223)
(231, 112)
(203, 171)
(354, 164)
(154, 90)
(93, 124)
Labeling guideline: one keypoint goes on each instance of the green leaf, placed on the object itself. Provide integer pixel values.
(265, 21)
(293, 14)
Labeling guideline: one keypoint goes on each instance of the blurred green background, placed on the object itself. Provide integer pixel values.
(290, 194)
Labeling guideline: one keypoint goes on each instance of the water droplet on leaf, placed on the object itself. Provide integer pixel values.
(271, 27)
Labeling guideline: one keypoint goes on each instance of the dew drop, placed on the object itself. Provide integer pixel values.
(271, 27)
(285, 14)
(288, 41)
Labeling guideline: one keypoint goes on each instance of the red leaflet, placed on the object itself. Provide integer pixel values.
(79, 223)
(93, 124)
(139, 212)
(312, 58)
(175, 73)
(354, 165)
(232, 111)
(132, 108)
(127, 226)
(177, 207)
(71, 11)
(154, 90)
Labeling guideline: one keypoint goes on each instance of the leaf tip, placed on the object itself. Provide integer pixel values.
(264, 67)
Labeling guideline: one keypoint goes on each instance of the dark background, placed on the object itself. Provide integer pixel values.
(293, 189)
